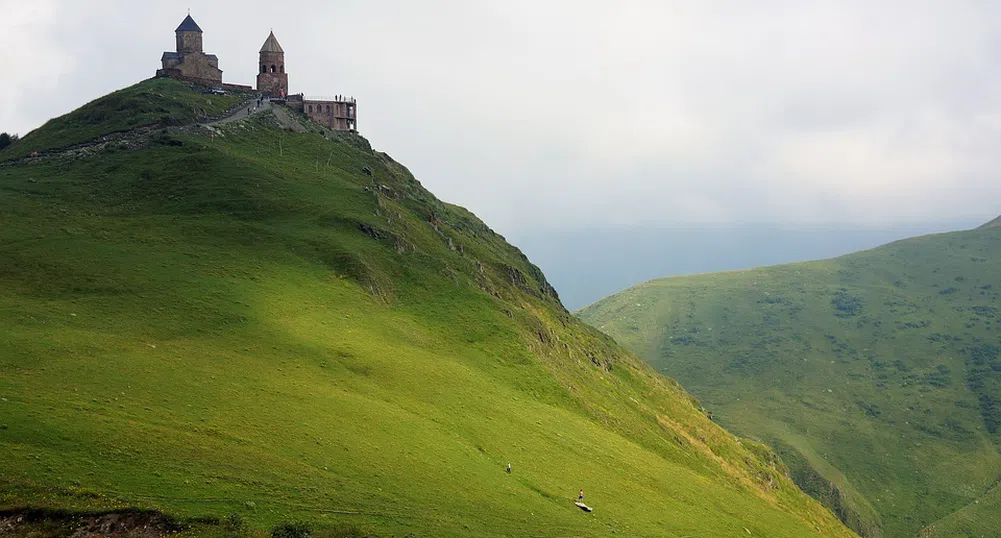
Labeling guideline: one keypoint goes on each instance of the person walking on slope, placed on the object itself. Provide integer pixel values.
(580, 496)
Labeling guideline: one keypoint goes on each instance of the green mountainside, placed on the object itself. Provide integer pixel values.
(996, 223)
(876, 376)
(268, 322)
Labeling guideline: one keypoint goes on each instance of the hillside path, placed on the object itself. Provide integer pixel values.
(242, 113)
(143, 131)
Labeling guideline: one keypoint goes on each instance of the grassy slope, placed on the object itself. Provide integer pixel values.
(982, 517)
(877, 376)
(157, 102)
(251, 324)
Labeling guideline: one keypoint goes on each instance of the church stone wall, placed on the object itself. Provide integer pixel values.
(188, 42)
(201, 66)
(273, 84)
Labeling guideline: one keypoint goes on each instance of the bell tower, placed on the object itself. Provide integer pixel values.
(271, 76)
(189, 36)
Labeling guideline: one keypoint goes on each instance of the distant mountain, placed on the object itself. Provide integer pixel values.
(996, 223)
(588, 264)
(262, 322)
(876, 376)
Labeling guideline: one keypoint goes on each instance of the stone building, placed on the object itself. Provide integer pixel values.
(272, 79)
(189, 61)
(339, 113)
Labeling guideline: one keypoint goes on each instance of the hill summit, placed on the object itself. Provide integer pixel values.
(260, 321)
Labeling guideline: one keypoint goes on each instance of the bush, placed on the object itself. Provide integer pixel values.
(292, 530)
(7, 139)
(846, 305)
(235, 522)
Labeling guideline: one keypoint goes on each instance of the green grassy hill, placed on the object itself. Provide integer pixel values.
(876, 376)
(270, 323)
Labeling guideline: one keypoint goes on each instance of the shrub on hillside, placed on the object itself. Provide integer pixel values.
(235, 522)
(292, 530)
(990, 408)
(7, 139)
(846, 305)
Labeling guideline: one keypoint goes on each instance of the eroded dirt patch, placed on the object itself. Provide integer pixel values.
(47, 524)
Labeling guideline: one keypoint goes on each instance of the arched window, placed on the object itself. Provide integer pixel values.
(310, 108)
(281, 68)
(328, 109)
(273, 68)
(264, 68)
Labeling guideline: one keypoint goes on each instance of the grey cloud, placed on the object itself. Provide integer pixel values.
(570, 114)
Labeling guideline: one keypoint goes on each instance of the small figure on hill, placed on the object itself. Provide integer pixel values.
(580, 496)
(509, 467)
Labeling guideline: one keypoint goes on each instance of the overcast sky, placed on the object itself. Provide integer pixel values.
(539, 114)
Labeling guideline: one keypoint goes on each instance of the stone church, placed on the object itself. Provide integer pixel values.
(190, 63)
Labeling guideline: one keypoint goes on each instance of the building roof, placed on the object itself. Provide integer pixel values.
(188, 25)
(271, 44)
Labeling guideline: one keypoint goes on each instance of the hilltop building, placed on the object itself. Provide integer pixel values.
(191, 64)
(272, 79)
(337, 113)
(190, 61)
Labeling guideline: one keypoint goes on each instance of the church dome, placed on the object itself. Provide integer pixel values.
(188, 25)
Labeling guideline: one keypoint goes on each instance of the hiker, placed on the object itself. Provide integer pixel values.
(509, 467)
(580, 496)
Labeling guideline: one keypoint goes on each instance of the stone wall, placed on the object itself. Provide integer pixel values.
(273, 84)
(176, 74)
(188, 42)
(198, 65)
(271, 76)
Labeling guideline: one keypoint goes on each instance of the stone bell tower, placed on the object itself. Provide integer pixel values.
(189, 36)
(271, 77)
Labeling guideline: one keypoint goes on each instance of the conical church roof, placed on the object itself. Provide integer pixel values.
(271, 45)
(188, 25)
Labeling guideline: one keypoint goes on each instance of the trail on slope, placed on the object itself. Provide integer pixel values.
(138, 137)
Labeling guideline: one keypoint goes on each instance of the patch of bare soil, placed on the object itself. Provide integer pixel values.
(43, 524)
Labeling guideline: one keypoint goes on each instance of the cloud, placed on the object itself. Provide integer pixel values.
(638, 113)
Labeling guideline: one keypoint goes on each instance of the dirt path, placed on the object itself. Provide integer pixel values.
(135, 138)
(248, 109)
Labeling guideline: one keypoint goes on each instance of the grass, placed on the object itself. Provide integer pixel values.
(159, 102)
(288, 327)
(877, 376)
(980, 518)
